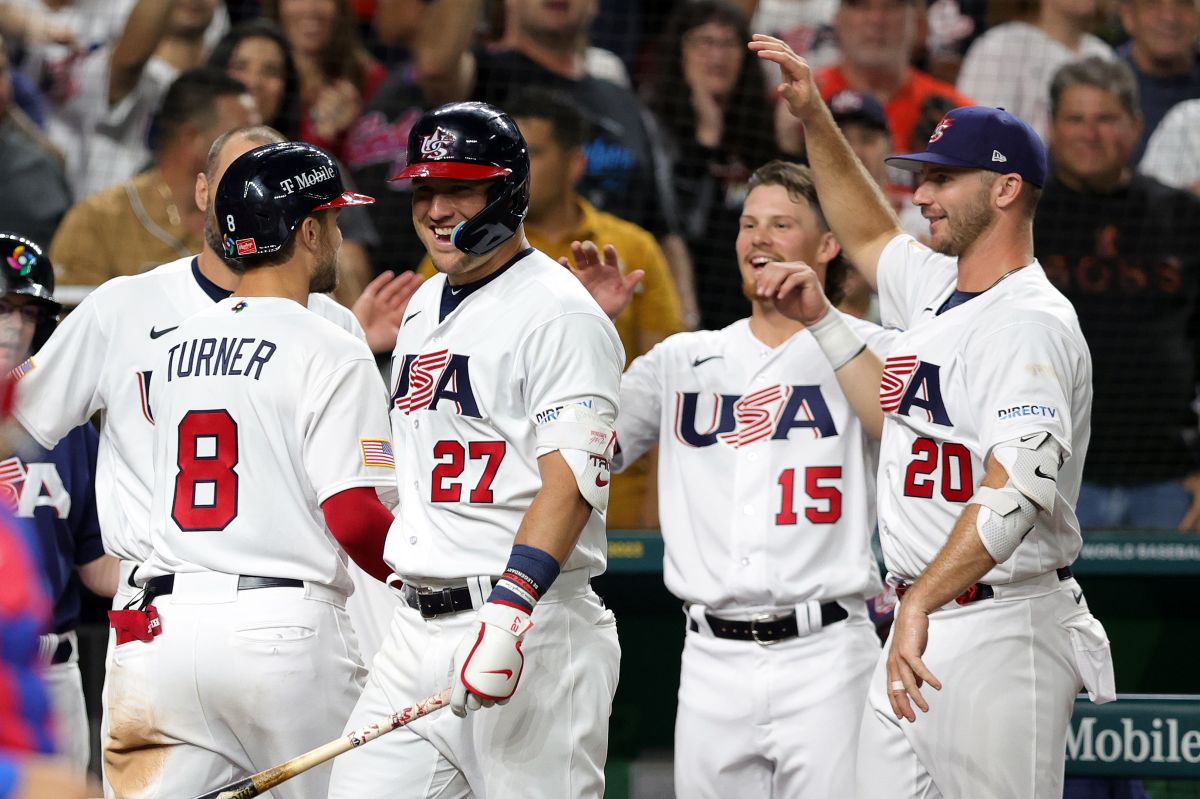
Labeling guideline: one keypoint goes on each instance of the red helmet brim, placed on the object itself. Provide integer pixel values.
(346, 198)
(456, 170)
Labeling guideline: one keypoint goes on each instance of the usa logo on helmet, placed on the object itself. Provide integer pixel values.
(437, 144)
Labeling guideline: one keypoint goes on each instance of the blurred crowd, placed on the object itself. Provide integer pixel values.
(645, 122)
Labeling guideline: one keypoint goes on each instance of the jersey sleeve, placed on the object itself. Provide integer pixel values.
(347, 440)
(1024, 377)
(337, 313)
(573, 359)
(879, 340)
(910, 276)
(86, 527)
(641, 408)
(60, 387)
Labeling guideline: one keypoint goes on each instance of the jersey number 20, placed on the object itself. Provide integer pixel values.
(206, 487)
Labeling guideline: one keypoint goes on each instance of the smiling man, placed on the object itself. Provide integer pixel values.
(504, 391)
(766, 485)
(976, 501)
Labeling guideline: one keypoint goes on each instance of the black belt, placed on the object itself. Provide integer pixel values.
(778, 628)
(981, 591)
(161, 586)
(62, 653)
(432, 604)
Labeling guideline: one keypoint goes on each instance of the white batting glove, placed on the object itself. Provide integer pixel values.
(488, 662)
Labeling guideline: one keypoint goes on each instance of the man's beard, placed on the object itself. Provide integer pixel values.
(213, 239)
(971, 222)
(325, 276)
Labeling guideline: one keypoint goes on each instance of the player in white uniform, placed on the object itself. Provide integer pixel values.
(270, 423)
(99, 360)
(505, 384)
(766, 485)
(987, 395)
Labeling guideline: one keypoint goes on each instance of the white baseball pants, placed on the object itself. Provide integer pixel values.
(773, 721)
(550, 741)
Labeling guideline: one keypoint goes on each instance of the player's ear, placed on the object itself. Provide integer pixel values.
(576, 164)
(828, 248)
(201, 191)
(310, 233)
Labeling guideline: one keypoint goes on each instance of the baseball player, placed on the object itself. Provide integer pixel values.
(55, 490)
(766, 480)
(504, 391)
(270, 423)
(986, 396)
(100, 359)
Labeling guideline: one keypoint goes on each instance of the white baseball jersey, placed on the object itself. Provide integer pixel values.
(1005, 364)
(101, 358)
(262, 411)
(766, 480)
(468, 393)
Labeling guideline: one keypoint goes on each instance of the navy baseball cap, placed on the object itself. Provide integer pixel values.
(978, 137)
(851, 106)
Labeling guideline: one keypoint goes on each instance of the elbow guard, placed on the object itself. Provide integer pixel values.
(1008, 514)
(585, 440)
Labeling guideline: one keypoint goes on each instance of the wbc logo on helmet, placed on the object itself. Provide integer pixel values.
(437, 144)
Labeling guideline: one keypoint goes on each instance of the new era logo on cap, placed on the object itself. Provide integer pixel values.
(977, 137)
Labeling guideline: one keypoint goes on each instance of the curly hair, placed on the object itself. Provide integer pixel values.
(749, 129)
(797, 179)
(287, 118)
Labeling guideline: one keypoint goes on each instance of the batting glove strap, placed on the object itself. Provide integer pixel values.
(489, 661)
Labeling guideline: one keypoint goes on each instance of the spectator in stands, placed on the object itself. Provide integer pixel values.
(876, 39)
(1162, 51)
(712, 102)
(375, 147)
(864, 124)
(1126, 250)
(338, 77)
(1010, 65)
(36, 194)
(256, 54)
(626, 173)
(123, 86)
(556, 132)
(152, 218)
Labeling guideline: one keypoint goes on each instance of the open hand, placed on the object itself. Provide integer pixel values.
(906, 672)
(380, 308)
(797, 87)
(603, 277)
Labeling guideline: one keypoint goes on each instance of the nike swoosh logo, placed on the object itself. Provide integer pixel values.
(1078, 596)
(1029, 437)
(601, 483)
(506, 672)
(159, 333)
(699, 361)
(455, 291)
(410, 317)
(1038, 471)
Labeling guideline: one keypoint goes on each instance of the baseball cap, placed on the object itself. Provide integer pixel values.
(978, 137)
(852, 106)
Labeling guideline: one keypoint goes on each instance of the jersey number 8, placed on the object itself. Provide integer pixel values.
(206, 487)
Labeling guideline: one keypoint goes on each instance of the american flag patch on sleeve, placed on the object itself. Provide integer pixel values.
(377, 452)
(20, 371)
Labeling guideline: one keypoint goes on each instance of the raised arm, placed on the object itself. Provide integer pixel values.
(144, 29)
(858, 214)
(445, 65)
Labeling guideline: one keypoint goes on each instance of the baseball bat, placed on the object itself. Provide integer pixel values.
(257, 784)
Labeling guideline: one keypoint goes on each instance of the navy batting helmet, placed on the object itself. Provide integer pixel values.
(268, 191)
(475, 141)
(28, 272)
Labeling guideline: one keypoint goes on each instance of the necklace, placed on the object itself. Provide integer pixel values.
(1006, 274)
